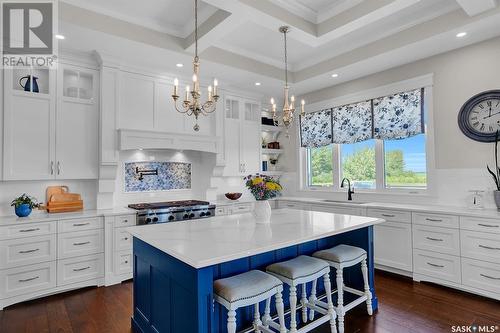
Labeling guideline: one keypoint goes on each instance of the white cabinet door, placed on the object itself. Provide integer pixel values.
(77, 125)
(250, 150)
(136, 101)
(232, 133)
(393, 245)
(29, 120)
(167, 119)
(338, 209)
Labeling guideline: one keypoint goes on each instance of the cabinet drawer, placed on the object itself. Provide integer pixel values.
(123, 240)
(27, 230)
(392, 245)
(481, 275)
(390, 215)
(80, 224)
(220, 211)
(123, 262)
(336, 209)
(27, 279)
(25, 251)
(80, 269)
(480, 245)
(290, 205)
(237, 209)
(442, 240)
(124, 221)
(80, 243)
(437, 265)
(480, 224)
(437, 220)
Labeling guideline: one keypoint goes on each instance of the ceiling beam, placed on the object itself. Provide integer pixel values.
(474, 7)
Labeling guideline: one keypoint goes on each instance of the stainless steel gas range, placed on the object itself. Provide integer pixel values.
(171, 211)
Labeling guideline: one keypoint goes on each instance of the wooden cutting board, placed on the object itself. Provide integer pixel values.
(65, 197)
(51, 190)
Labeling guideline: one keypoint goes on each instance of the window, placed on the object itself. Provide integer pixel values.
(320, 168)
(405, 163)
(358, 163)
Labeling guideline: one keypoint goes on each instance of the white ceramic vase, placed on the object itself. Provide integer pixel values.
(262, 212)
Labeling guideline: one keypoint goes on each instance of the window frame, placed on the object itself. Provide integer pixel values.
(425, 81)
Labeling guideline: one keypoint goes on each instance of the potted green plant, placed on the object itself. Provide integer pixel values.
(496, 174)
(24, 204)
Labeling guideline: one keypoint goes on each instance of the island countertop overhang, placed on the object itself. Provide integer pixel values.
(207, 242)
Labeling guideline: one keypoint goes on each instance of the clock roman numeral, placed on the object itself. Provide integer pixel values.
(489, 103)
(475, 124)
(482, 127)
(481, 106)
(491, 128)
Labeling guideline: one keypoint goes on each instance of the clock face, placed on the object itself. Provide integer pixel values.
(485, 116)
(479, 118)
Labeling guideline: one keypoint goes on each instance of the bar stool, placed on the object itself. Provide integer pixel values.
(300, 271)
(340, 257)
(250, 288)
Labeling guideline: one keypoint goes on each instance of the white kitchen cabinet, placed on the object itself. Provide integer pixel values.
(338, 209)
(51, 134)
(241, 136)
(136, 101)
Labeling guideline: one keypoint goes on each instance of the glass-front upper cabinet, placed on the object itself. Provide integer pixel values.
(31, 80)
(78, 84)
(232, 109)
(252, 111)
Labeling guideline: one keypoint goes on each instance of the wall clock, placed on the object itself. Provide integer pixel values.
(479, 117)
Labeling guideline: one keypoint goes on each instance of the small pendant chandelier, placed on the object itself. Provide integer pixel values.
(288, 105)
(192, 104)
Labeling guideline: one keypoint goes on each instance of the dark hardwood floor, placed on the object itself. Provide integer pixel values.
(404, 306)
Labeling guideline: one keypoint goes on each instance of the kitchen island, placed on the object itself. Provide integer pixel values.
(175, 264)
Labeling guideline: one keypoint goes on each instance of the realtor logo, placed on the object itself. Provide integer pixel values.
(28, 33)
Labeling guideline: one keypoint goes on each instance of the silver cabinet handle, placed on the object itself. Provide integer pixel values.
(488, 225)
(489, 247)
(80, 269)
(80, 224)
(29, 230)
(29, 251)
(434, 265)
(51, 167)
(83, 243)
(58, 167)
(433, 220)
(125, 262)
(434, 239)
(30, 279)
(489, 277)
(125, 221)
(126, 238)
(388, 215)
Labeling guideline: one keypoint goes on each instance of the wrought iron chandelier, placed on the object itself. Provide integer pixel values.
(288, 105)
(192, 104)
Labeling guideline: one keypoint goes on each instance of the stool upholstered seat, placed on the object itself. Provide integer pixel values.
(341, 253)
(246, 285)
(300, 267)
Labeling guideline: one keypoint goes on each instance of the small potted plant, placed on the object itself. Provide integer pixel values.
(496, 174)
(263, 188)
(24, 204)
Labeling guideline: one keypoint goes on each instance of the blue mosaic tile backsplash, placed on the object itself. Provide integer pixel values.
(171, 176)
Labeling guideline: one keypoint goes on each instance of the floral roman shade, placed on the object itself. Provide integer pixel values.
(352, 123)
(398, 116)
(316, 129)
(390, 117)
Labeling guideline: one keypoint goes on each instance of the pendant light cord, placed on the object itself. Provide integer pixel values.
(286, 60)
(196, 27)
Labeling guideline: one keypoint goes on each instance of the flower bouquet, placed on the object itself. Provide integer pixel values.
(263, 188)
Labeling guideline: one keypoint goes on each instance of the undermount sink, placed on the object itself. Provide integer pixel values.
(342, 201)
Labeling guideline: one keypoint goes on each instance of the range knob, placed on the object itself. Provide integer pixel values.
(155, 219)
(186, 216)
(208, 213)
(202, 214)
(148, 220)
(191, 215)
(171, 218)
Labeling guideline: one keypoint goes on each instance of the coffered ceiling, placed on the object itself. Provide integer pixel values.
(350, 38)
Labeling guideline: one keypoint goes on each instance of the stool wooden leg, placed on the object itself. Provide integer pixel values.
(231, 321)
(312, 299)
(293, 309)
(364, 270)
(267, 313)
(280, 308)
(303, 301)
(256, 319)
(331, 311)
(340, 298)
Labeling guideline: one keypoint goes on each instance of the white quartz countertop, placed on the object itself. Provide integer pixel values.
(43, 216)
(428, 208)
(206, 242)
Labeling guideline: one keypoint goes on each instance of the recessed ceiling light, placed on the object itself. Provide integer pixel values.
(335, 75)
(179, 65)
(461, 34)
(60, 37)
(257, 83)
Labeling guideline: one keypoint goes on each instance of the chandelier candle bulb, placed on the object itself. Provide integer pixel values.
(187, 94)
(210, 93)
(216, 83)
(176, 87)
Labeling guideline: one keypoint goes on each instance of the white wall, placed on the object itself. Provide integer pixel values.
(459, 161)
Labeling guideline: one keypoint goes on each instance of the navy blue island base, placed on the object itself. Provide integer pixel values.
(171, 296)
